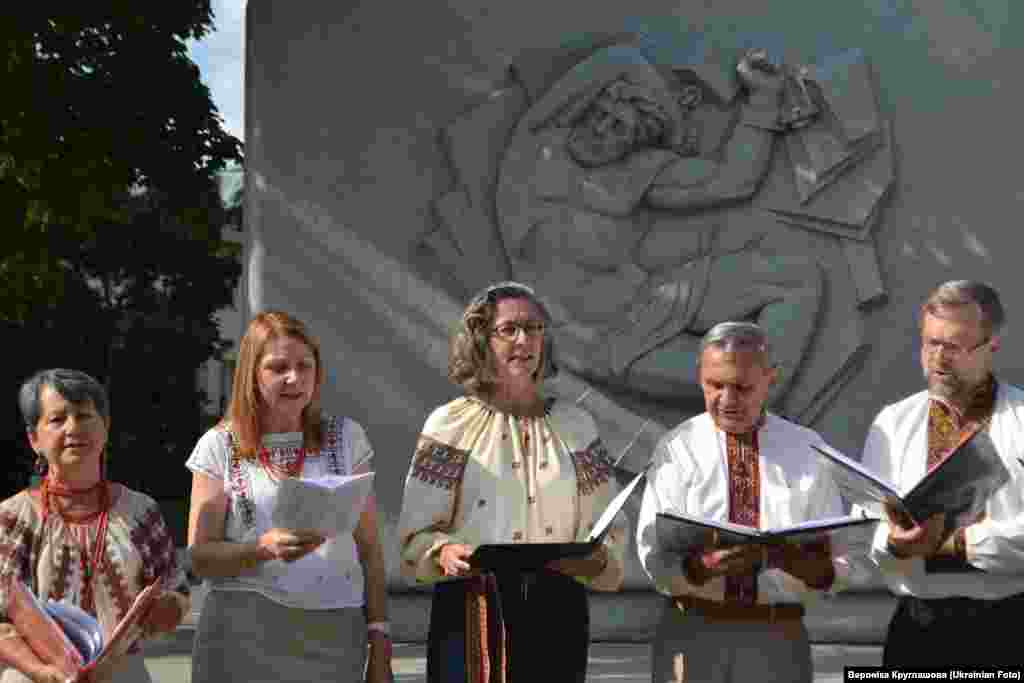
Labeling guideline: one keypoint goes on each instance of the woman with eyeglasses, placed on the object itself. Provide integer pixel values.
(504, 465)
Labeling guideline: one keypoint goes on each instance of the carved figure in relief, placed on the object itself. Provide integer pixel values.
(603, 200)
(633, 195)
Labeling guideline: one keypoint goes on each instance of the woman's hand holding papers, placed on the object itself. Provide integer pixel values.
(289, 544)
(166, 612)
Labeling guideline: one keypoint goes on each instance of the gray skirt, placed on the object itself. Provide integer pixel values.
(243, 636)
(129, 669)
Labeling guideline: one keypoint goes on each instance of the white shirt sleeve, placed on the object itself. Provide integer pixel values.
(211, 454)
(879, 458)
(361, 452)
(996, 543)
(665, 490)
(849, 552)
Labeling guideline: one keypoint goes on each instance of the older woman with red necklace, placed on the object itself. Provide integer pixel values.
(504, 465)
(78, 537)
(277, 611)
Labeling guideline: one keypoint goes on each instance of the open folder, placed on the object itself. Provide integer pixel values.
(533, 556)
(680, 533)
(959, 485)
(70, 639)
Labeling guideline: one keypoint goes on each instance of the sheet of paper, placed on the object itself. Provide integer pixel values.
(331, 505)
(604, 522)
(858, 484)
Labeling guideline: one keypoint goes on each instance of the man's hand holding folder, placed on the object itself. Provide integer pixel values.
(714, 561)
(809, 562)
(908, 538)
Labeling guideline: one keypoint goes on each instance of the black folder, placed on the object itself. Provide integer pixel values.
(681, 533)
(960, 485)
(520, 557)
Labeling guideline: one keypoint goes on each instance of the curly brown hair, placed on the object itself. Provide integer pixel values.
(469, 353)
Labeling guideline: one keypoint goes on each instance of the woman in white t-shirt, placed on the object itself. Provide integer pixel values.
(284, 604)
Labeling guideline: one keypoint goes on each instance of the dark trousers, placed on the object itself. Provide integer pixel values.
(955, 632)
(547, 622)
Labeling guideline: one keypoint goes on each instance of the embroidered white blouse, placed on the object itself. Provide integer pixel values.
(896, 448)
(331, 576)
(689, 474)
(480, 475)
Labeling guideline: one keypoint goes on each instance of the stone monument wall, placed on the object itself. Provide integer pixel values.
(400, 155)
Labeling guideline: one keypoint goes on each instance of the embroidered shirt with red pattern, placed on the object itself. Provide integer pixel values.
(744, 505)
(46, 558)
(948, 428)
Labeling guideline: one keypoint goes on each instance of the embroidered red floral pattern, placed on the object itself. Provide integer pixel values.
(593, 467)
(946, 430)
(438, 464)
(744, 505)
(238, 475)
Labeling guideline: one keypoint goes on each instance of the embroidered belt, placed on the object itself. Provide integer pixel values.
(713, 610)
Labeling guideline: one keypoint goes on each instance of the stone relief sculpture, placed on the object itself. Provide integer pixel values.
(615, 184)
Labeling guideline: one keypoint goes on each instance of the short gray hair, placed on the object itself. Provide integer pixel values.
(737, 336)
(958, 293)
(74, 385)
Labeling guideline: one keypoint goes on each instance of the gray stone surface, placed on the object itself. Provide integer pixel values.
(848, 618)
(169, 661)
(348, 106)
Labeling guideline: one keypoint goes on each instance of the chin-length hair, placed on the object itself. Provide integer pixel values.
(243, 414)
(470, 361)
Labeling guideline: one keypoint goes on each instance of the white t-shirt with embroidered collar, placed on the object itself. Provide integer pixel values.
(331, 577)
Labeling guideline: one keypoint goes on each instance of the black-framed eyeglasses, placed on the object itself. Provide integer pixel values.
(934, 346)
(510, 331)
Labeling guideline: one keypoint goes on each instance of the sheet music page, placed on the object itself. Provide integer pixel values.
(330, 505)
(616, 505)
(858, 484)
(845, 529)
(681, 533)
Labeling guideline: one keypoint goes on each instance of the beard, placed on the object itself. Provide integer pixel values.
(951, 386)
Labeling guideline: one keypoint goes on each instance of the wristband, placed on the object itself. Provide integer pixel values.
(382, 627)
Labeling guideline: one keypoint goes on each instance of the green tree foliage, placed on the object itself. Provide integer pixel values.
(112, 259)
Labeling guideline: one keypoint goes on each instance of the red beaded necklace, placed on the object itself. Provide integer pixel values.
(90, 563)
(275, 470)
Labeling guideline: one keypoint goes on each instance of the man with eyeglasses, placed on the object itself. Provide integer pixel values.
(958, 580)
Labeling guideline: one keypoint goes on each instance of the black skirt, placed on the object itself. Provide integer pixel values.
(546, 623)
